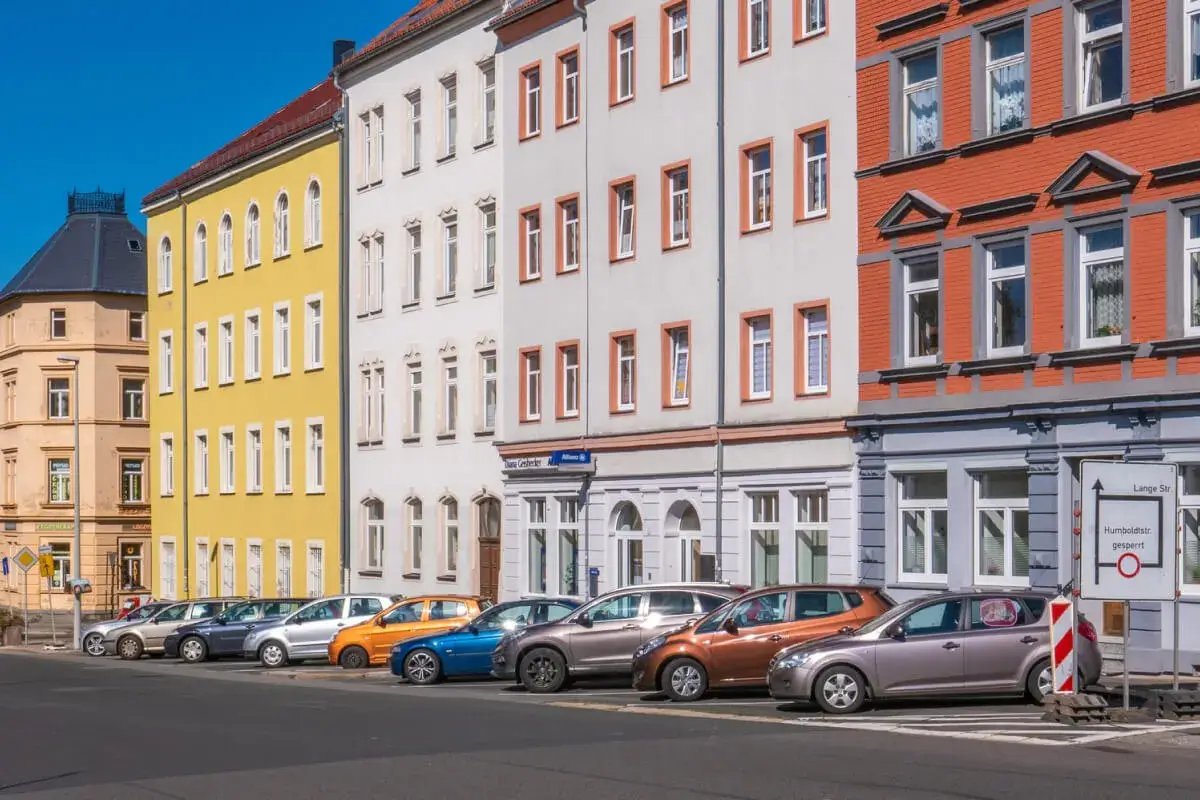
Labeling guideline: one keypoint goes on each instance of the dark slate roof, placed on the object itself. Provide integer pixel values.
(89, 253)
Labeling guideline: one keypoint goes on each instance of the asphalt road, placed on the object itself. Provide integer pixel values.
(97, 729)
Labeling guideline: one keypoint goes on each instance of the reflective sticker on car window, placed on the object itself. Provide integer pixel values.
(1000, 612)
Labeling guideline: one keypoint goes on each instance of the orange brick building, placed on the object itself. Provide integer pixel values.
(1029, 273)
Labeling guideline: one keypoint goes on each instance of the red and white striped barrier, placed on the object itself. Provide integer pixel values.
(1062, 645)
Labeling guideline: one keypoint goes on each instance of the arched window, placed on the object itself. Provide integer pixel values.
(253, 236)
(626, 518)
(627, 525)
(201, 255)
(164, 265)
(450, 535)
(488, 522)
(683, 519)
(225, 246)
(374, 530)
(282, 229)
(312, 214)
(414, 513)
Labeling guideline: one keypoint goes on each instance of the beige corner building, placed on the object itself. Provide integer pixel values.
(81, 296)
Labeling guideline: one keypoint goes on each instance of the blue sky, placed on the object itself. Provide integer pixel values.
(126, 94)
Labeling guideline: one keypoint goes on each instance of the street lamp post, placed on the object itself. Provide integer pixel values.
(75, 560)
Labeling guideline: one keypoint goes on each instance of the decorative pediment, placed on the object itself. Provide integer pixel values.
(448, 213)
(448, 349)
(914, 19)
(485, 342)
(1093, 174)
(412, 354)
(914, 211)
(485, 201)
(412, 222)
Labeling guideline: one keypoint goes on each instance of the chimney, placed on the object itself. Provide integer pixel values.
(341, 49)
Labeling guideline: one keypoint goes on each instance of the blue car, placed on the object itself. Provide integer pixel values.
(467, 651)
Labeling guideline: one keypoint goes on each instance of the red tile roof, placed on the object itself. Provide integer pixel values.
(421, 17)
(313, 108)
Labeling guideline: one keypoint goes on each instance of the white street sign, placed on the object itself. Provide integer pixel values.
(1127, 530)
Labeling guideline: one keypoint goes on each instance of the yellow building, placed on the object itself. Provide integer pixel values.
(243, 277)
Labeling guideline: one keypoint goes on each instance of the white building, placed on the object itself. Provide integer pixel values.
(425, 317)
(615, 183)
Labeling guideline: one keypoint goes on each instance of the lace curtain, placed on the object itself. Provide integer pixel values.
(1008, 97)
(1106, 298)
(923, 120)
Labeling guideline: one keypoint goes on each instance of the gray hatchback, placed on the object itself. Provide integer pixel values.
(954, 643)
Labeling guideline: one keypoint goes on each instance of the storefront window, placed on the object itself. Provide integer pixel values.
(764, 538)
(61, 553)
(131, 566)
(536, 528)
(1002, 527)
(568, 546)
(1189, 520)
(812, 537)
(922, 510)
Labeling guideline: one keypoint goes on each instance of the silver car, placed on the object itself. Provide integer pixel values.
(145, 637)
(93, 635)
(305, 634)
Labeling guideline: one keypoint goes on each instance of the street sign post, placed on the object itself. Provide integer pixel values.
(25, 559)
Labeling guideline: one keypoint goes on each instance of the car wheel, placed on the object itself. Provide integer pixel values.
(1040, 682)
(543, 671)
(129, 648)
(193, 650)
(840, 690)
(93, 644)
(422, 667)
(685, 680)
(354, 658)
(272, 655)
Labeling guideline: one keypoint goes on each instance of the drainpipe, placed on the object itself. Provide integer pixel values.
(587, 278)
(343, 331)
(719, 472)
(183, 394)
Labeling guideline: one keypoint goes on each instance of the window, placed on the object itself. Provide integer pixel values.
(282, 228)
(225, 333)
(1002, 527)
(283, 339)
(165, 271)
(630, 572)
(1102, 285)
(624, 370)
(416, 545)
(60, 480)
(225, 246)
(1006, 298)
(312, 214)
(202, 569)
(316, 458)
(759, 360)
(758, 27)
(314, 333)
(450, 116)
(166, 571)
(414, 265)
(624, 67)
(133, 476)
(568, 545)
(200, 354)
(371, 425)
(816, 350)
(414, 131)
(58, 323)
(487, 90)
(370, 293)
(254, 459)
(933, 619)
(373, 533)
(814, 17)
(816, 173)
(137, 326)
(535, 533)
(531, 106)
(1191, 271)
(679, 210)
(1005, 75)
(283, 458)
(491, 389)
(1101, 55)
(624, 220)
(201, 463)
(568, 380)
(922, 510)
(166, 465)
(568, 215)
(764, 539)
(1189, 523)
(10, 400)
(756, 171)
(228, 569)
(1191, 49)
(60, 554)
(450, 397)
(254, 566)
(253, 364)
(531, 384)
(166, 363)
(531, 244)
(450, 535)
(922, 126)
(568, 67)
(253, 237)
(812, 536)
(679, 359)
(228, 465)
(449, 257)
(201, 253)
(283, 569)
(58, 392)
(678, 44)
(414, 402)
(487, 269)
(371, 148)
(922, 311)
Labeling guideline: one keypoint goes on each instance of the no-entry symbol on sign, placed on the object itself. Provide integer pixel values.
(1129, 565)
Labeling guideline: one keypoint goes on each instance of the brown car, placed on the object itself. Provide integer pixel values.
(732, 646)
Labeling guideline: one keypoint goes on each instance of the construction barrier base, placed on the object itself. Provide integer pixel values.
(1173, 704)
(1075, 709)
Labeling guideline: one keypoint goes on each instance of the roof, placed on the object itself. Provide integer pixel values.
(517, 9)
(425, 14)
(312, 109)
(96, 250)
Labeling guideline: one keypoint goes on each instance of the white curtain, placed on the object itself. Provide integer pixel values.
(1008, 97)
(923, 120)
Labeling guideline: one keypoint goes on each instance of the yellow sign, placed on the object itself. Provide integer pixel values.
(25, 559)
(46, 562)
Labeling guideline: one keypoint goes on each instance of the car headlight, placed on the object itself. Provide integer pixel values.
(794, 660)
(649, 647)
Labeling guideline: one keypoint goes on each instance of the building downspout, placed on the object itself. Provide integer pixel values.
(719, 472)
(587, 278)
(343, 332)
(183, 394)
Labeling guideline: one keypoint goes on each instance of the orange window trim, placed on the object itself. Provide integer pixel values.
(800, 188)
(744, 56)
(665, 210)
(664, 44)
(523, 390)
(800, 348)
(744, 199)
(746, 359)
(613, 77)
(523, 134)
(560, 379)
(560, 250)
(614, 231)
(798, 35)
(523, 243)
(560, 107)
(668, 365)
(614, 372)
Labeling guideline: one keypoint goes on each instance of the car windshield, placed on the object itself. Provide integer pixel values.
(888, 617)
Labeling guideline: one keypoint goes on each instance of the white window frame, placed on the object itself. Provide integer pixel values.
(761, 342)
(681, 346)
(489, 366)
(415, 400)
(759, 190)
(371, 138)
(226, 351)
(253, 355)
(758, 14)
(166, 362)
(820, 334)
(283, 229)
(487, 101)
(203, 567)
(314, 331)
(200, 462)
(200, 354)
(1191, 252)
(997, 275)
(449, 397)
(626, 218)
(489, 247)
(285, 457)
(449, 116)
(372, 411)
(312, 214)
(531, 89)
(1097, 39)
(1189, 505)
(314, 455)
(926, 508)
(451, 534)
(569, 66)
(200, 269)
(536, 525)
(626, 373)
(166, 270)
(283, 568)
(992, 66)
(167, 567)
(254, 459)
(281, 339)
(225, 245)
(227, 455)
(531, 374)
(911, 89)
(449, 276)
(811, 533)
(59, 398)
(1007, 506)
(816, 195)
(166, 465)
(626, 66)
(413, 282)
(253, 254)
(1085, 262)
(679, 182)
(572, 255)
(374, 531)
(678, 41)
(815, 17)
(570, 381)
(370, 292)
(228, 567)
(254, 568)
(414, 130)
(531, 224)
(765, 530)
(414, 524)
(913, 289)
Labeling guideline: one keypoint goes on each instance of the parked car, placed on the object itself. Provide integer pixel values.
(305, 634)
(224, 634)
(467, 650)
(732, 646)
(599, 638)
(949, 644)
(370, 643)
(145, 637)
(93, 635)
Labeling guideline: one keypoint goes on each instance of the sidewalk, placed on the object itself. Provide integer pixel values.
(42, 632)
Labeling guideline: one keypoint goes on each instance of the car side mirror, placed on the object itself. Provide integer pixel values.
(220, 619)
(380, 622)
(896, 632)
(471, 629)
(295, 621)
(846, 629)
(692, 621)
(729, 626)
(584, 620)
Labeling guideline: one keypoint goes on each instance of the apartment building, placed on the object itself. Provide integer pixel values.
(1029, 270)
(425, 207)
(73, 344)
(244, 392)
(680, 220)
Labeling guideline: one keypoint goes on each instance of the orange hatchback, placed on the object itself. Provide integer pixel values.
(370, 643)
(732, 646)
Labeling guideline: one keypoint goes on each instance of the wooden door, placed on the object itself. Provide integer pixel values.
(489, 568)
